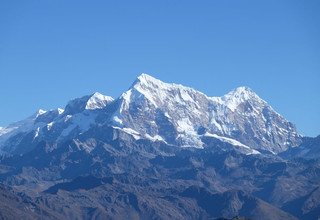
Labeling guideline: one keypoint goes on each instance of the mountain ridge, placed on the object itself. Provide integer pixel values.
(150, 107)
(159, 151)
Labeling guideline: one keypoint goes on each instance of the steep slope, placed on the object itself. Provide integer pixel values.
(159, 151)
(158, 111)
(177, 114)
(309, 148)
(54, 125)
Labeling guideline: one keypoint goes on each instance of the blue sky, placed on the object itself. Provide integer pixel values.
(54, 50)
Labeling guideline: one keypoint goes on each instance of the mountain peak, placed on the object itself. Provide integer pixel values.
(145, 80)
(88, 102)
(175, 113)
(158, 93)
(38, 113)
(243, 91)
(98, 101)
(241, 95)
(146, 77)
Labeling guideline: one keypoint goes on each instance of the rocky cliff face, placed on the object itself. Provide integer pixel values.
(152, 109)
(177, 114)
(159, 151)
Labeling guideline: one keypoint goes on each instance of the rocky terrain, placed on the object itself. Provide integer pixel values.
(159, 151)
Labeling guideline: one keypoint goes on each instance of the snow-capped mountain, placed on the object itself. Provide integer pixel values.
(90, 102)
(199, 157)
(54, 125)
(178, 114)
(165, 112)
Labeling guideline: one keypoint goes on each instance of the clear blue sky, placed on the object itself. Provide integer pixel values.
(54, 50)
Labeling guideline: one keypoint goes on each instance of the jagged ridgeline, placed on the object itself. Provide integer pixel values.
(158, 111)
(159, 151)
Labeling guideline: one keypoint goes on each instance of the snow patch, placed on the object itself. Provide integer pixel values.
(126, 101)
(36, 133)
(184, 125)
(67, 118)
(232, 141)
(117, 120)
(155, 138)
(98, 101)
(49, 126)
(60, 111)
(81, 121)
(241, 94)
(133, 133)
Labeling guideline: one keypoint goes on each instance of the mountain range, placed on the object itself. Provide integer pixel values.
(159, 151)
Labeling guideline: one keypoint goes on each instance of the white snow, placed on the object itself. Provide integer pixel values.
(117, 120)
(190, 140)
(23, 126)
(238, 96)
(49, 126)
(80, 121)
(184, 125)
(133, 133)
(98, 101)
(5, 130)
(253, 151)
(167, 115)
(158, 92)
(60, 111)
(67, 118)
(40, 112)
(37, 132)
(185, 95)
(216, 124)
(147, 95)
(187, 135)
(231, 141)
(155, 138)
(225, 139)
(185, 108)
(126, 96)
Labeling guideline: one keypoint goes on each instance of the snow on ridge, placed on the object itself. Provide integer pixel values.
(188, 108)
(60, 111)
(225, 139)
(49, 126)
(41, 112)
(231, 141)
(154, 89)
(36, 133)
(155, 138)
(136, 135)
(88, 102)
(26, 125)
(126, 97)
(184, 107)
(145, 80)
(4, 131)
(81, 121)
(98, 101)
(239, 95)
